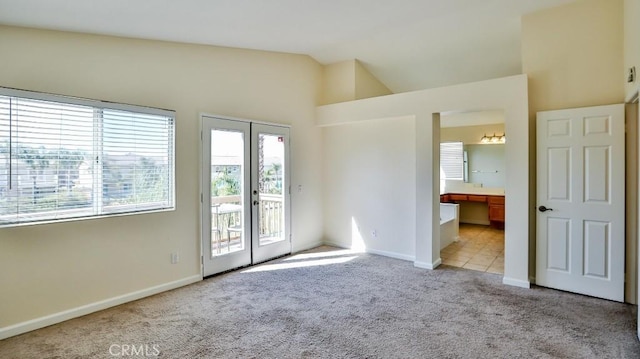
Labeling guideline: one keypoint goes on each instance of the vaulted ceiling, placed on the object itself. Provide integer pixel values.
(406, 44)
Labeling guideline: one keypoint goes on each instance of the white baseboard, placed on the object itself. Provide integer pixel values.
(333, 244)
(404, 257)
(55, 318)
(425, 265)
(307, 246)
(516, 282)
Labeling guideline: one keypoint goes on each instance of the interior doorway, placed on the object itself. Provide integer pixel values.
(472, 190)
(245, 193)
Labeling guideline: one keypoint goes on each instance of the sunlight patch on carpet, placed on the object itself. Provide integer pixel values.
(333, 253)
(299, 264)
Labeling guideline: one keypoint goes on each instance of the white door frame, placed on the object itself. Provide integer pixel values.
(631, 195)
(633, 99)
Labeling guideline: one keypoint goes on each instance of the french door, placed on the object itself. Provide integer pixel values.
(245, 193)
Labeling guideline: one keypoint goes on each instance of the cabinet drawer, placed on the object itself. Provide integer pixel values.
(496, 200)
(475, 198)
(496, 213)
(457, 197)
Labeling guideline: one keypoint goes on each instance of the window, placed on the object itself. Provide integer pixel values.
(452, 160)
(65, 158)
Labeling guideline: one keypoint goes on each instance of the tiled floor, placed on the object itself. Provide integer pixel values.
(479, 248)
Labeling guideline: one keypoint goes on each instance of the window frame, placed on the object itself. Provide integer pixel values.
(99, 105)
(462, 171)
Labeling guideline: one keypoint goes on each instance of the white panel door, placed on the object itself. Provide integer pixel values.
(580, 215)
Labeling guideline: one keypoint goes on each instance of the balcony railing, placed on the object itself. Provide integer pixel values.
(227, 224)
(271, 212)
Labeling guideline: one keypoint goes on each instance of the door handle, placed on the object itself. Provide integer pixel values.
(544, 209)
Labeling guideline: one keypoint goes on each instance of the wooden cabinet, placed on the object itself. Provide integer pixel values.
(496, 209)
(476, 198)
(496, 213)
(497, 200)
(495, 205)
(457, 197)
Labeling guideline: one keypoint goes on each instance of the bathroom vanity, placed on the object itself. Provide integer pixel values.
(494, 201)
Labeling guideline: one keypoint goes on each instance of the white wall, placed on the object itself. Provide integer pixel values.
(469, 135)
(573, 55)
(632, 43)
(509, 94)
(366, 84)
(338, 82)
(369, 182)
(349, 80)
(49, 269)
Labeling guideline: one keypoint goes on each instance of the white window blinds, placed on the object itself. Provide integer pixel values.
(63, 158)
(452, 160)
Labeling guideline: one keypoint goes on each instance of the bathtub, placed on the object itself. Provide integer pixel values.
(449, 221)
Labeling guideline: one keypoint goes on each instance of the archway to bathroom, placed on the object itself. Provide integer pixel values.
(472, 182)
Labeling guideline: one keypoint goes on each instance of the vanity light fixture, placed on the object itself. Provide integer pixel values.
(493, 139)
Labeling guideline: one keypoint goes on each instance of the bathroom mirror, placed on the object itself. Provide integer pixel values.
(485, 164)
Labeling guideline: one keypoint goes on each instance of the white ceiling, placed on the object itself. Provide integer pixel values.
(407, 44)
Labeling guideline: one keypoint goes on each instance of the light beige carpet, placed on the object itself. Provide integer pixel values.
(332, 304)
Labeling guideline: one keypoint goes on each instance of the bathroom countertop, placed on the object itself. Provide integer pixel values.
(478, 191)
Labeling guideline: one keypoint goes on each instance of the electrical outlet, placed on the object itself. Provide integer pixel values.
(175, 258)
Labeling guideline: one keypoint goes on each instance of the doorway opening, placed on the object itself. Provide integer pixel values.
(472, 190)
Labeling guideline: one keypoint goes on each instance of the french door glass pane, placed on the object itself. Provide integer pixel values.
(227, 169)
(271, 188)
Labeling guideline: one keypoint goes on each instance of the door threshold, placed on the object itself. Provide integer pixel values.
(247, 266)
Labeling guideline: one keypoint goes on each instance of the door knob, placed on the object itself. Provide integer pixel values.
(544, 209)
